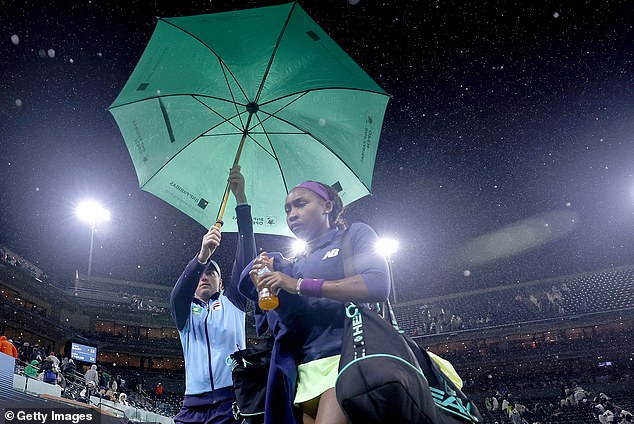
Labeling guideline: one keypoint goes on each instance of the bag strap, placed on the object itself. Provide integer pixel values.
(391, 316)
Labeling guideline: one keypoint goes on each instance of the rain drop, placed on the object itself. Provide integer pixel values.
(71, 60)
(51, 53)
(41, 53)
(18, 102)
(556, 14)
(467, 273)
(99, 54)
(37, 189)
(15, 39)
(322, 122)
(567, 204)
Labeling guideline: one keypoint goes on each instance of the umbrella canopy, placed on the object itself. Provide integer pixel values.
(270, 77)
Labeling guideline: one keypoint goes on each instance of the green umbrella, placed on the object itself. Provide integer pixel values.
(266, 87)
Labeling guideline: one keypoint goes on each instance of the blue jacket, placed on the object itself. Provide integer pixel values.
(210, 332)
(308, 328)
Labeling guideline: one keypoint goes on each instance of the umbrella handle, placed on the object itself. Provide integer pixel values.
(225, 198)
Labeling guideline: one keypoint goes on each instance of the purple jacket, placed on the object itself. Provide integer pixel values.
(307, 328)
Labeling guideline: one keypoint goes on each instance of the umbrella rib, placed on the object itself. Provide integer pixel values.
(225, 119)
(224, 73)
(180, 150)
(308, 133)
(304, 92)
(277, 44)
(279, 166)
(170, 95)
(220, 134)
(228, 120)
(277, 111)
(211, 50)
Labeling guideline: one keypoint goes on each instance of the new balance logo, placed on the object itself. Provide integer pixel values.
(331, 254)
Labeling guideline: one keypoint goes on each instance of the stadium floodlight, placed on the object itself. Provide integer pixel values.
(92, 212)
(386, 247)
(299, 247)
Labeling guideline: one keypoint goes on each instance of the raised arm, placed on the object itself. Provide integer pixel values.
(185, 288)
(183, 292)
(245, 250)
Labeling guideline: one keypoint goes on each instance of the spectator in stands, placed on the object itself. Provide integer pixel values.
(92, 375)
(110, 394)
(495, 404)
(47, 369)
(113, 385)
(104, 378)
(488, 405)
(506, 406)
(159, 390)
(515, 416)
(69, 370)
(598, 410)
(54, 359)
(25, 351)
(89, 390)
(7, 347)
(579, 394)
(32, 369)
(61, 380)
(210, 318)
(139, 383)
(123, 399)
(37, 353)
(120, 383)
(607, 417)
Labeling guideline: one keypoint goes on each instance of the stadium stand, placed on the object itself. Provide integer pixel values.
(527, 341)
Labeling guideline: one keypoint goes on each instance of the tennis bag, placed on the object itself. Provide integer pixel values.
(385, 377)
(249, 370)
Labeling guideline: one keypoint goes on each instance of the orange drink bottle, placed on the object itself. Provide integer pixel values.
(266, 299)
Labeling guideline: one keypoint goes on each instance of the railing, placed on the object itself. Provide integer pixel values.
(140, 406)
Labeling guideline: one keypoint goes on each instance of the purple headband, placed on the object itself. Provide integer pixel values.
(316, 188)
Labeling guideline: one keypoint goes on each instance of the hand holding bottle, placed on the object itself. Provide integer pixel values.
(267, 300)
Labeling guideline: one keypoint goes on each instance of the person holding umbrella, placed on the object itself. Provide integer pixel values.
(211, 320)
(308, 324)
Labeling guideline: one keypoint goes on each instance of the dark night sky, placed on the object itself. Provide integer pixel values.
(511, 127)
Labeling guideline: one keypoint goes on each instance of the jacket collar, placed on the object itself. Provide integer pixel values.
(214, 297)
(320, 241)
